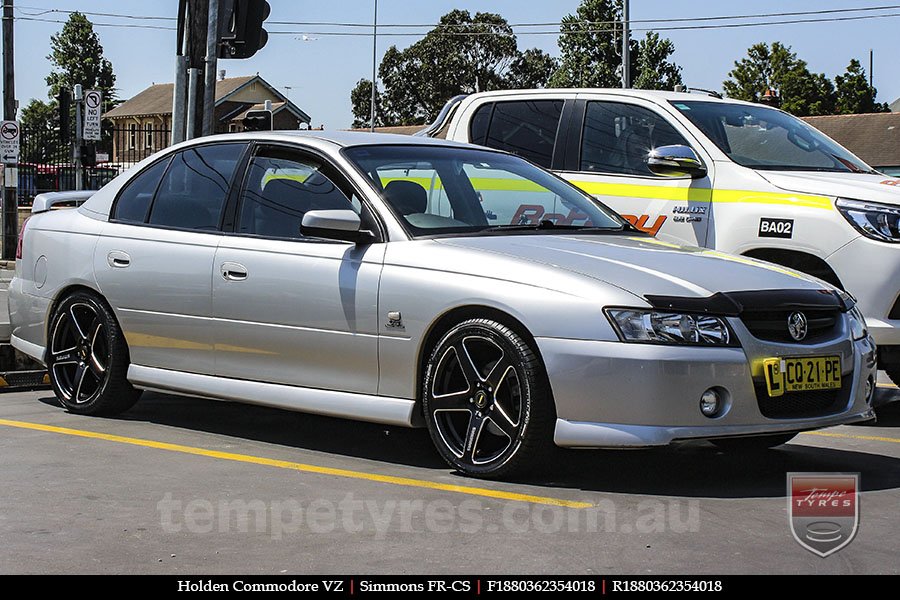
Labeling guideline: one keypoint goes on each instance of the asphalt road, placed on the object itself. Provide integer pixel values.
(188, 486)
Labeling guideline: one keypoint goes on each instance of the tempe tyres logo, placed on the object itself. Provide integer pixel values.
(823, 509)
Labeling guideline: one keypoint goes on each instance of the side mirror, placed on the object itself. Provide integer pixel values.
(675, 161)
(341, 225)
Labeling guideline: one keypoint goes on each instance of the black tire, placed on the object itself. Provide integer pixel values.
(893, 371)
(87, 357)
(493, 415)
(757, 443)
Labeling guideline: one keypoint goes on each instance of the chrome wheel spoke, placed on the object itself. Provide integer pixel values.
(69, 356)
(470, 371)
(453, 401)
(78, 329)
(499, 373)
(473, 437)
(501, 419)
(80, 375)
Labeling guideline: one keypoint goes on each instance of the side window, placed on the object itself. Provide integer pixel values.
(195, 187)
(135, 199)
(478, 127)
(280, 188)
(617, 138)
(527, 128)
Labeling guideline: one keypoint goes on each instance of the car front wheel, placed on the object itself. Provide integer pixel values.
(486, 400)
(88, 358)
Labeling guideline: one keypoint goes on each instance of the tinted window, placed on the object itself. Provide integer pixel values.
(195, 186)
(526, 128)
(280, 189)
(617, 138)
(478, 127)
(765, 138)
(135, 199)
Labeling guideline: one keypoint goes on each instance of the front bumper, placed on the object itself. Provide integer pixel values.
(870, 270)
(613, 394)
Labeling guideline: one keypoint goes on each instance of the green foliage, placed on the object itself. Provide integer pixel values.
(418, 80)
(40, 120)
(777, 68)
(854, 94)
(654, 69)
(590, 53)
(77, 57)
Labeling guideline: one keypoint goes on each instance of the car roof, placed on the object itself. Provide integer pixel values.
(344, 139)
(655, 95)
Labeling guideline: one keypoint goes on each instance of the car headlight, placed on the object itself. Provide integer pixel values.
(658, 327)
(876, 221)
(857, 323)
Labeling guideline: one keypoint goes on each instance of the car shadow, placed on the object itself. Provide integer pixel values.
(689, 469)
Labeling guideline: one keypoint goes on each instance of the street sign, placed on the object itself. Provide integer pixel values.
(9, 142)
(92, 110)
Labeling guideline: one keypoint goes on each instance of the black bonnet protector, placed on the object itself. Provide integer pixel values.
(732, 304)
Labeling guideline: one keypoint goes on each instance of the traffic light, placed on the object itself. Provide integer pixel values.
(258, 120)
(63, 104)
(241, 33)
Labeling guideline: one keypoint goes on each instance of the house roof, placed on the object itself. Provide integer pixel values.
(157, 99)
(873, 137)
(895, 106)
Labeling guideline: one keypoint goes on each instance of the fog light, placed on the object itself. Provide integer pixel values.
(710, 403)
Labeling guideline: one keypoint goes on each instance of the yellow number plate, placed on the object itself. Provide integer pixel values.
(802, 374)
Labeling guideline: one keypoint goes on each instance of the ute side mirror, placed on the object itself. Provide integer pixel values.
(675, 161)
(341, 225)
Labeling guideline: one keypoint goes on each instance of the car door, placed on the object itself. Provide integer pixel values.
(606, 155)
(292, 309)
(154, 259)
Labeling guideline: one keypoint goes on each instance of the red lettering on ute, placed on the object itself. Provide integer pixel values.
(528, 214)
(641, 223)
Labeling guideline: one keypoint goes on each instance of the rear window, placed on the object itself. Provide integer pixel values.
(135, 199)
(526, 128)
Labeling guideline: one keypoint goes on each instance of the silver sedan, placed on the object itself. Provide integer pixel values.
(418, 282)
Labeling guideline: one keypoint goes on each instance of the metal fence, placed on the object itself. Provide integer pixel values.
(46, 164)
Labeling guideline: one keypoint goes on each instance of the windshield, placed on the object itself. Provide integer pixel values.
(440, 190)
(764, 138)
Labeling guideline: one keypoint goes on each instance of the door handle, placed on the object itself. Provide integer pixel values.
(234, 271)
(118, 259)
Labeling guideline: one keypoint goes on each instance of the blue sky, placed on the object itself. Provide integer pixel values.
(321, 72)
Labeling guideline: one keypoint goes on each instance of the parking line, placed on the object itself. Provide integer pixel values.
(294, 466)
(870, 438)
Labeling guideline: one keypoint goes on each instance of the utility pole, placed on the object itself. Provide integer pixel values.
(197, 23)
(209, 72)
(10, 184)
(179, 93)
(871, 66)
(626, 47)
(79, 135)
(374, 61)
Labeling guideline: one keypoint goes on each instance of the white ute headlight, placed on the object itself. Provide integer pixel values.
(857, 323)
(876, 221)
(657, 327)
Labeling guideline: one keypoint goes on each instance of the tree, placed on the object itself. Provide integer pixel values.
(654, 69)
(589, 42)
(361, 104)
(531, 69)
(40, 120)
(854, 94)
(418, 80)
(76, 56)
(778, 68)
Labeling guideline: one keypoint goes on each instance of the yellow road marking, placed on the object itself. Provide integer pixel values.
(890, 386)
(294, 466)
(847, 436)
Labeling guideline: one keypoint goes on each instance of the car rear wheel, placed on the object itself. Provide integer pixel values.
(486, 400)
(753, 444)
(88, 358)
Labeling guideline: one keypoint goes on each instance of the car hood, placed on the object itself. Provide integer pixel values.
(641, 265)
(858, 186)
